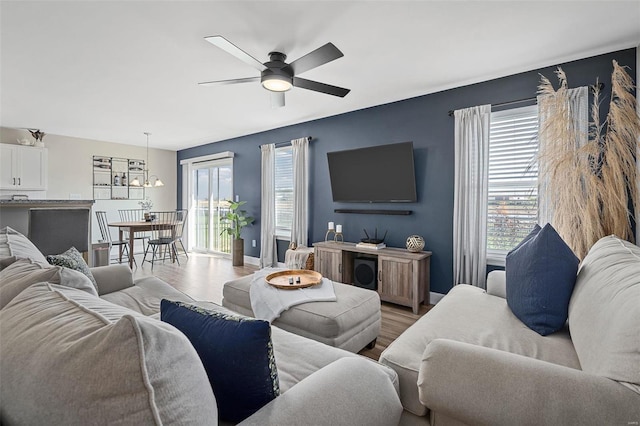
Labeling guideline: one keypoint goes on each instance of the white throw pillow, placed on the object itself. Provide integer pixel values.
(26, 272)
(604, 312)
(13, 243)
(69, 358)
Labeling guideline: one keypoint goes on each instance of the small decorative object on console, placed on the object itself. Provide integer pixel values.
(338, 238)
(415, 243)
(331, 229)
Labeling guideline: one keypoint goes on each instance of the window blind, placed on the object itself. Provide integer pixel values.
(284, 189)
(513, 178)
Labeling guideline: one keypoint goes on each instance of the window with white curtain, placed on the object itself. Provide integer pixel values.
(284, 191)
(513, 180)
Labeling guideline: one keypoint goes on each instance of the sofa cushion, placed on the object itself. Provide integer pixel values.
(145, 296)
(72, 259)
(604, 313)
(13, 243)
(541, 273)
(25, 272)
(237, 354)
(70, 358)
(468, 314)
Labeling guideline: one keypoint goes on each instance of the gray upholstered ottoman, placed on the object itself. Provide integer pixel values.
(351, 322)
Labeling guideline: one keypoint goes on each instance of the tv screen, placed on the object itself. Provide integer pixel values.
(377, 174)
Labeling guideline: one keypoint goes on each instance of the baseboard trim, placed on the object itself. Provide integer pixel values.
(434, 298)
(250, 260)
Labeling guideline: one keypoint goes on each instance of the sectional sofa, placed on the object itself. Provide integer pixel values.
(72, 353)
(471, 361)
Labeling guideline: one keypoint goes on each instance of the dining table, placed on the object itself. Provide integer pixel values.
(134, 227)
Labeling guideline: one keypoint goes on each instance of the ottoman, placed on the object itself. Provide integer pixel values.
(351, 322)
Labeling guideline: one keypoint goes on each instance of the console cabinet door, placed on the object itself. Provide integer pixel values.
(329, 263)
(395, 278)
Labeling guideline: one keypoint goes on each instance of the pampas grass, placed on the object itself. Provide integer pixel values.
(590, 188)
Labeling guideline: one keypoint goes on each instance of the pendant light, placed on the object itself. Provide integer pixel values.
(147, 179)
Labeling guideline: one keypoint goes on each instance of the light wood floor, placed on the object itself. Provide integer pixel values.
(203, 276)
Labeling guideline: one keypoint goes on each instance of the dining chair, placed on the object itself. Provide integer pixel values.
(103, 224)
(182, 215)
(162, 242)
(134, 215)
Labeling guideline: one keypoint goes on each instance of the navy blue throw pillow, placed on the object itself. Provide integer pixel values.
(237, 354)
(540, 276)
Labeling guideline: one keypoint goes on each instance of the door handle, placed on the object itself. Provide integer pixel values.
(19, 182)
(14, 181)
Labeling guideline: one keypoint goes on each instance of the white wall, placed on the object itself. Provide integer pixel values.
(71, 171)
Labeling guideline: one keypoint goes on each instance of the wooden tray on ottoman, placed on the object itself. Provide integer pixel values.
(281, 279)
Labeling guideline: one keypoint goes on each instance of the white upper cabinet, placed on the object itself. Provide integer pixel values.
(23, 167)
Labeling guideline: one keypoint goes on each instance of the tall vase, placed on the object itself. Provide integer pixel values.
(237, 252)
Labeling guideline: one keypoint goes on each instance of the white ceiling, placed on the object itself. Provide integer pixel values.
(110, 70)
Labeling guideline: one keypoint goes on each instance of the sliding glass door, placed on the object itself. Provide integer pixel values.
(211, 187)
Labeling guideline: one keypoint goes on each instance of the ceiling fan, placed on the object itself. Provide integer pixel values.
(276, 75)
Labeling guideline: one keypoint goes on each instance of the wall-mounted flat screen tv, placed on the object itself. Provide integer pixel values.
(377, 174)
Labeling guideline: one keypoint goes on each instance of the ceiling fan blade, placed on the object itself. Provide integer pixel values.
(277, 99)
(234, 50)
(320, 56)
(320, 87)
(232, 81)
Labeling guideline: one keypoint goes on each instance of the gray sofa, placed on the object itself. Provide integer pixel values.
(70, 357)
(471, 361)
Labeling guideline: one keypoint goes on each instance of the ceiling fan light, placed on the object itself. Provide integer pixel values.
(147, 184)
(276, 83)
(158, 183)
(135, 182)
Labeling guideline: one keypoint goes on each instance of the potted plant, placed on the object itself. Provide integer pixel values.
(235, 220)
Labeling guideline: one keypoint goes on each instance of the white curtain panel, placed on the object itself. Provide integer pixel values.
(579, 111)
(470, 195)
(300, 222)
(268, 252)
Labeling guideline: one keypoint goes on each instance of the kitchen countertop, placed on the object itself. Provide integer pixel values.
(18, 203)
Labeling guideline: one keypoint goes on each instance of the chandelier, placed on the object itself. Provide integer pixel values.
(147, 179)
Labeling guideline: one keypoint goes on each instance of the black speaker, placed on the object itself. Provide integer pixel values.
(365, 273)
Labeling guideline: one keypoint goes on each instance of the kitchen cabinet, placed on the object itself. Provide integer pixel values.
(23, 168)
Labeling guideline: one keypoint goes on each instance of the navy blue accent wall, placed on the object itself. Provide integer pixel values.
(423, 120)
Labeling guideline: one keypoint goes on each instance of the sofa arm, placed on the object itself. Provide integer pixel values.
(349, 391)
(497, 284)
(112, 278)
(479, 385)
